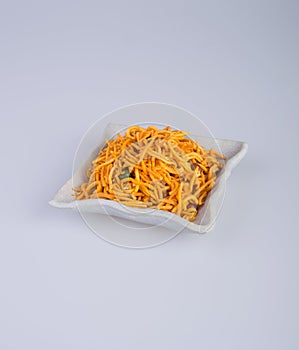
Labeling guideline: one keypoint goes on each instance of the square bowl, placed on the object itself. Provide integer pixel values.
(207, 214)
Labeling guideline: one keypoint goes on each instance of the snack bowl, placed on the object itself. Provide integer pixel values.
(207, 214)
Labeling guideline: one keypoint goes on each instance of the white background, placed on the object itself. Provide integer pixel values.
(66, 63)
